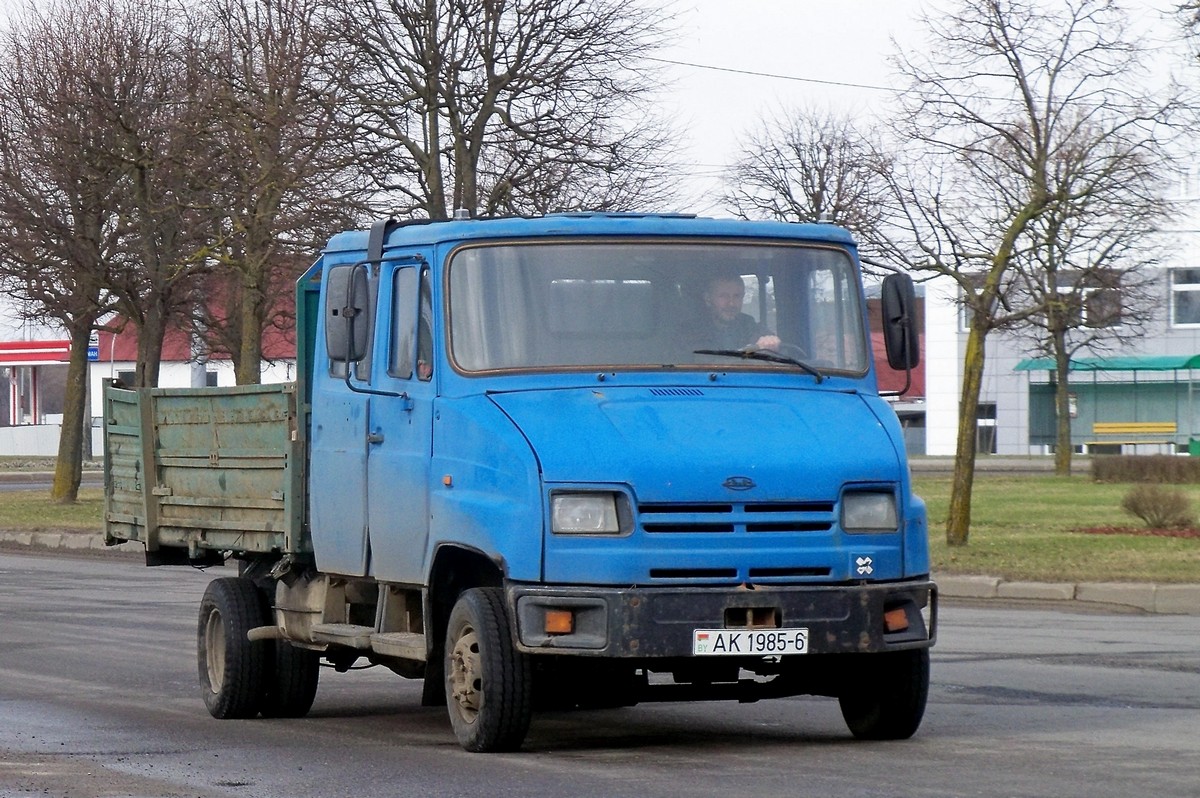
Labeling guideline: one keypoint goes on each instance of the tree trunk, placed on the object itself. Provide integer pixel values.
(149, 348)
(248, 363)
(68, 468)
(1062, 407)
(958, 521)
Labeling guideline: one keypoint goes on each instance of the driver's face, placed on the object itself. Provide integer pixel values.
(725, 298)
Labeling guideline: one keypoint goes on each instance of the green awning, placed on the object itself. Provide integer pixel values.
(1128, 363)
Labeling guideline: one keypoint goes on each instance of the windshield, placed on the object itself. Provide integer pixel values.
(652, 305)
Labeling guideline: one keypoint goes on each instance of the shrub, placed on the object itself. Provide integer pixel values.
(1157, 468)
(1158, 507)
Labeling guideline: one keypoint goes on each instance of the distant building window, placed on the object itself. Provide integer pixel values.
(1102, 308)
(1185, 297)
(210, 379)
(985, 428)
(127, 378)
(1096, 308)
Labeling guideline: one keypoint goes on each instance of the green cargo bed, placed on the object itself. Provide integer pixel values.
(217, 469)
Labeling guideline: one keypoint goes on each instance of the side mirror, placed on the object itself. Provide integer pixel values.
(346, 319)
(898, 302)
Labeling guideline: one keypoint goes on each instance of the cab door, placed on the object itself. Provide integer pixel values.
(341, 403)
(401, 427)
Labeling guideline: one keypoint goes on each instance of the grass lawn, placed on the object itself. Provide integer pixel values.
(1023, 527)
(23, 510)
(1027, 527)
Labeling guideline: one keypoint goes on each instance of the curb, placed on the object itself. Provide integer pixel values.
(67, 541)
(1146, 597)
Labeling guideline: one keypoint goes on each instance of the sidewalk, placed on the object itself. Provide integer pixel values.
(1167, 599)
(1171, 599)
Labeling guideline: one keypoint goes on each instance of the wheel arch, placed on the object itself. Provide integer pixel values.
(455, 569)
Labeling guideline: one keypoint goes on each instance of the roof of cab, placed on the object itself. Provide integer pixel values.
(423, 233)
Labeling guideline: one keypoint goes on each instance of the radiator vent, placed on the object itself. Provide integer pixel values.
(676, 392)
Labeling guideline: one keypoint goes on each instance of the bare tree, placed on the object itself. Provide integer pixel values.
(144, 91)
(280, 183)
(808, 165)
(503, 107)
(1089, 275)
(60, 226)
(1005, 91)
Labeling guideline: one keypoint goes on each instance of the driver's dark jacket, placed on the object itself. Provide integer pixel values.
(711, 334)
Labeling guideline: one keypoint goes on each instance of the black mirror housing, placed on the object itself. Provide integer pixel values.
(898, 301)
(346, 313)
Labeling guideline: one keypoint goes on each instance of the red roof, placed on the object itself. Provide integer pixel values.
(277, 345)
(34, 353)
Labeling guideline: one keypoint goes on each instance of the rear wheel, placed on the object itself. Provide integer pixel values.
(884, 696)
(291, 681)
(232, 668)
(488, 693)
(291, 674)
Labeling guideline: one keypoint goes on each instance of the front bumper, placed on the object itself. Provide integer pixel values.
(659, 621)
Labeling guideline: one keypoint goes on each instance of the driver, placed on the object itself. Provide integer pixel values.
(725, 326)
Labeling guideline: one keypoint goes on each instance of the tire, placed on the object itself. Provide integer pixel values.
(291, 681)
(488, 682)
(291, 674)
(232, 669)
(884, 699)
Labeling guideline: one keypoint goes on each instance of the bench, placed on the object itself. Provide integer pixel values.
(1134, 428)
(1133, 433)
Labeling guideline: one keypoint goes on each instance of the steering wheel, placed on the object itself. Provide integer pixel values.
(792, 350)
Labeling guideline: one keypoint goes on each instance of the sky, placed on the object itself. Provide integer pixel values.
(805, 52)
(814, 47)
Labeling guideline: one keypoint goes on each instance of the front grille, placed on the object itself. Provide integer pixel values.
(758, 517)
(693, 573)
(774, 573)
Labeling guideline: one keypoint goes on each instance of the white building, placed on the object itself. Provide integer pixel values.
(1139, 397)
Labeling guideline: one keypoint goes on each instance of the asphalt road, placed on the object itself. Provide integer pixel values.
(43, 480)
(98, 697)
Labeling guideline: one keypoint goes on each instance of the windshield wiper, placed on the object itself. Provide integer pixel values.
(763, 354)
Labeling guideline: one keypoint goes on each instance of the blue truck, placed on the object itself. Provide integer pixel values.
(582, 460)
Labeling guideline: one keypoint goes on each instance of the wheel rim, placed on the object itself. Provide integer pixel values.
(466, 683)
(214, 650)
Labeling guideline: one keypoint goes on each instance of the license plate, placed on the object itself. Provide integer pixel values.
(756, 642)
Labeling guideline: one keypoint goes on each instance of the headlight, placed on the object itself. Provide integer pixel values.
(584, 514)
(869, 511)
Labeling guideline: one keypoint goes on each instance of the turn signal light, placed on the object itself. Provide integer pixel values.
(895, 620)
(559, 622)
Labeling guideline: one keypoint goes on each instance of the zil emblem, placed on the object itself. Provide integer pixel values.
(739, 483)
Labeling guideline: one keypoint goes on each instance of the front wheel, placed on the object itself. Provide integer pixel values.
(488, 693)
(884, 696)
(232, 668)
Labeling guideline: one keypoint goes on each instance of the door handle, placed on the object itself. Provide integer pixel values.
(375, 436)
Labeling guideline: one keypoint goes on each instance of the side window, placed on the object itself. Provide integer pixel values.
(425, 330)
(1185, 297)
(362, 369)
(404, 317)
(759, 301)
(836, 330)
